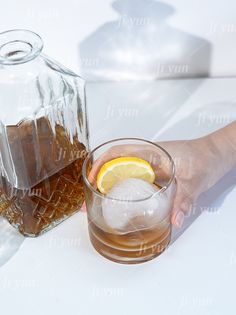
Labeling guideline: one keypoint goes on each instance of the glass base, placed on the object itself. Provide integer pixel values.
(130, 256)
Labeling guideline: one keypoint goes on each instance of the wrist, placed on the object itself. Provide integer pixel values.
(212, 159)
(222, 144)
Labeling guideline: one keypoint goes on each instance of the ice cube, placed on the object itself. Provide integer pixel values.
(132, 199)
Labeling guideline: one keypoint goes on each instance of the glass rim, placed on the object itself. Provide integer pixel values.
(24, 36)
(97, 193)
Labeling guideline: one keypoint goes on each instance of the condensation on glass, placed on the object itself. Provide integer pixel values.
(43, 135)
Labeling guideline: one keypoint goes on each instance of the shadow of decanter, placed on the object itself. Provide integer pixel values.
(10, 241)
(141, 44)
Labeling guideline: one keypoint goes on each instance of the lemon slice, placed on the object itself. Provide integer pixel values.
(122, 168)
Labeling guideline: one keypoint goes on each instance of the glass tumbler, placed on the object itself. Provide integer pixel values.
(134, 225)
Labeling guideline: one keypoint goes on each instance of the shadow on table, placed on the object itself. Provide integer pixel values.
(121, 108)
(140, 44)
(196, 120)
(210, 201)
(10, 241)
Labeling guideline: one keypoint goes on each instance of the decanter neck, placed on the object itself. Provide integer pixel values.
(19, 46)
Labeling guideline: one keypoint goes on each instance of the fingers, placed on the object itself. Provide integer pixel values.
(105, 157)
(83, 208)
(177, 219)
(159, 163)
(182, 207)
(112, 153)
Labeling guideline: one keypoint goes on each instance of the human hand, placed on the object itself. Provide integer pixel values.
(198, 167)
(200, 163)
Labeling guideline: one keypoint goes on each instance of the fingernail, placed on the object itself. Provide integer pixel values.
(83, 208)
(179, 219)
(185, 206)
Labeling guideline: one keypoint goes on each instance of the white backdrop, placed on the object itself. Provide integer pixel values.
(104, 39)
(132, 39)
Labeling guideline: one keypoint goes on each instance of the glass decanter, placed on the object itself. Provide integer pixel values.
(43, 135)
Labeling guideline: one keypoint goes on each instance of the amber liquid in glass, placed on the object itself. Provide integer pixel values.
(38, 208)
(133, 247)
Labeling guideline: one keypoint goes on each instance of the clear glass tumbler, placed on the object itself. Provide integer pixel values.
(130, 230)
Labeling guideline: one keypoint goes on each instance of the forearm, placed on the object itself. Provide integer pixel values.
(223, 142)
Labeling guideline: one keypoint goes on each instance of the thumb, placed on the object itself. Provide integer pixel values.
(83, 207)
(181, 208)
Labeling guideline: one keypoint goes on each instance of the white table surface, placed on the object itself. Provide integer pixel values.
(60, 273)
